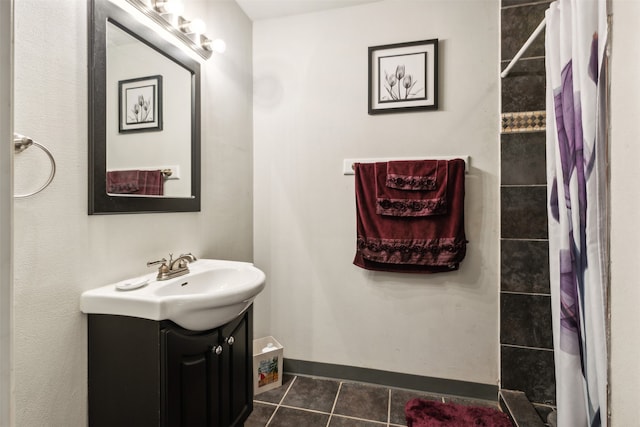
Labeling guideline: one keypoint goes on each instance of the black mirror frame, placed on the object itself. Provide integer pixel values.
(101, 12)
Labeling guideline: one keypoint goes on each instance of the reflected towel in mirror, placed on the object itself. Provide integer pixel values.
(135, 182)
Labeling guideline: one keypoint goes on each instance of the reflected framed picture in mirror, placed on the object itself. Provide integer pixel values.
(140, 104)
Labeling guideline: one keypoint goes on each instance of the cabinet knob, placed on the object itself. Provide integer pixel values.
(230, 340)
(217, 349)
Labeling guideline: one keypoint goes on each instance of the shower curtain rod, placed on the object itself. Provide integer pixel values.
(524, 47)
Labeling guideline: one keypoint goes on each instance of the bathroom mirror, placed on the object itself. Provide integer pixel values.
(144, 116)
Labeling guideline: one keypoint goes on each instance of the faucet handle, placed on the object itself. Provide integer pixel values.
(160, 261)
(162, 270)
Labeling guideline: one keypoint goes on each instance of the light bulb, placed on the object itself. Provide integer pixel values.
(175, 7)
(217, 45)
(196, 26)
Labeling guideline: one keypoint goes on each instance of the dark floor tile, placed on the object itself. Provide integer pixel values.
(530, 371)
(472, 402)
(524, 266)
(275, 395)
(312, 393)
(523, 212)
(290, 417)
(523, 158)
(525, 320)
(260, 415)
(363, 401)
(338, 421)
(399, 399)
(523, 89)
(544, 411)
(517, 25)
(516, 404)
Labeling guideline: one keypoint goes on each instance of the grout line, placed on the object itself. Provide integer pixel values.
(537, 294)
(287, 392)
(281, 400)
(262, 402)
(528, 58)
(335, 402)
(368, 421)
(272, 415)
(522, 239)
(389, 409)
(315, 411)
(524, 347)
(523, 185)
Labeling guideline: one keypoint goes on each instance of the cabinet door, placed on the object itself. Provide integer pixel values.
(237, 383)
(191, 368)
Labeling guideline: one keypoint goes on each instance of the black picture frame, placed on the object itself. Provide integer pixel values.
(140, 104)
(403, 77)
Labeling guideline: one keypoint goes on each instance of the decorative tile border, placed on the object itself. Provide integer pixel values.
(526, 121)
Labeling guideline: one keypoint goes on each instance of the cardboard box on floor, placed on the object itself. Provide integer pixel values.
(267, 364)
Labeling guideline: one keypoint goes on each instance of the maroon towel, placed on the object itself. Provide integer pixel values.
(151, 183)
(426, 244)
(413, 175)
(408, 201)
(135, 182)
(428, 413)
(123, 182)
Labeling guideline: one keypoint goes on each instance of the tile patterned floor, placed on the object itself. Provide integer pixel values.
(319, 402)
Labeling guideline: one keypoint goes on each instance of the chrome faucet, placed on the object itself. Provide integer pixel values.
(173, 268)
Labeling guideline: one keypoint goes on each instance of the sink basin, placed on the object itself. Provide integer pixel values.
(212, 294)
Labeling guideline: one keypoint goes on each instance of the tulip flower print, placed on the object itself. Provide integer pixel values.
(141, 112)
(391, 81)
(408, 84)
(395, 82)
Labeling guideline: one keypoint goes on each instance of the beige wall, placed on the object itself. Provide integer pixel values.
(625, 205)
(60, 251)
(310, 113)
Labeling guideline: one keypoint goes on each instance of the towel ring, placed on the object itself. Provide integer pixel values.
(21, 143)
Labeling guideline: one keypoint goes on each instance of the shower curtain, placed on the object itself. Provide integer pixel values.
(576, 37)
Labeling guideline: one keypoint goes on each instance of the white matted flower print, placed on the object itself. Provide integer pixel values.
(403, 77)
(140, 104)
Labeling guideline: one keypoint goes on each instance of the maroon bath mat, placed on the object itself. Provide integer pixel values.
(428, 413)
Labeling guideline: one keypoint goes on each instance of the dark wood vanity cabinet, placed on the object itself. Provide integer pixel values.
(149, 373)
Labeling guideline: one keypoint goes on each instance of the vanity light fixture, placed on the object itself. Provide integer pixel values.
(168, 14)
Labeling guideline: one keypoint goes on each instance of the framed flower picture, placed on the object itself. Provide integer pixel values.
(140, 104)
(403, 77)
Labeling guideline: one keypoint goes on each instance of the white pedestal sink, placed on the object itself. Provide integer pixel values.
(212, 294)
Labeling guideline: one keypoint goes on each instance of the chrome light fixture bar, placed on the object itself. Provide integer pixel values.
(198, 43)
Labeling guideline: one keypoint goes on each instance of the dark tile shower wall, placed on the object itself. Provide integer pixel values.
(526, 342)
